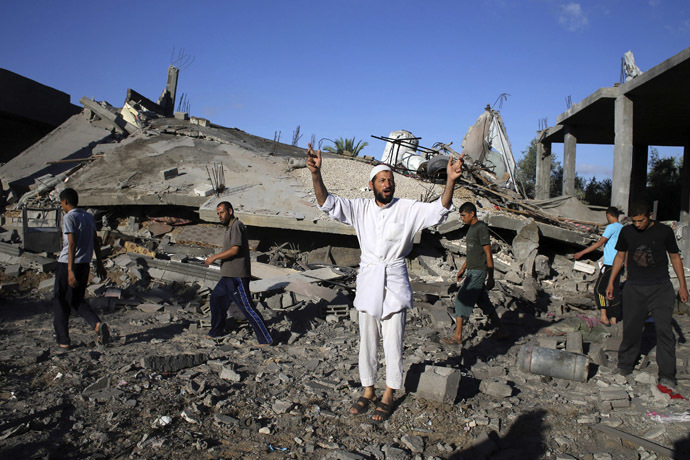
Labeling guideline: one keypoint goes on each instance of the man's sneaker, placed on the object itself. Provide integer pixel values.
(103, 334)
(621, 371)
(668, 383)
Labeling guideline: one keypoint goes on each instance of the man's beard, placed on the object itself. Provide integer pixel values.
(382, 199)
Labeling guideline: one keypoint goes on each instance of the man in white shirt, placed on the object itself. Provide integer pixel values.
(385, 228)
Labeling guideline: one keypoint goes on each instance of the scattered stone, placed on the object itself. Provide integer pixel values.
(414, 443)
(281, 407)
(495, 389)
(228, 373)
(645, 378)
(150, 307)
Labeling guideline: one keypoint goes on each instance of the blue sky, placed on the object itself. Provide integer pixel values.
(349, 68)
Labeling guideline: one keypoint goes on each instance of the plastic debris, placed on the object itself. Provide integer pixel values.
(669, 392)
(669, 418)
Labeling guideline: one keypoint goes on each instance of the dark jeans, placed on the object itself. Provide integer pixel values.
(641, 301)
(235, 290)
(66, 297)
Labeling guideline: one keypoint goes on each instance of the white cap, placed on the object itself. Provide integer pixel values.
(377, 169)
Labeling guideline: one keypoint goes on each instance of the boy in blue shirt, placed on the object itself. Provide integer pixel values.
(610, 309)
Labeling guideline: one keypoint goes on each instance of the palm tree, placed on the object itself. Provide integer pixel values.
(346, 147)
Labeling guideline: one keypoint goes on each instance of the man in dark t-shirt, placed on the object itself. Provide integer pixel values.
(648, 290)
(478, 268)
(235, 270)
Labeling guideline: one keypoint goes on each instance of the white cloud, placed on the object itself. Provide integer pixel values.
(572, 17)
(654, 3)
(587, 170)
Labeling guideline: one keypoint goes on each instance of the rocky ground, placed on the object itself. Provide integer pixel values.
(162, 390)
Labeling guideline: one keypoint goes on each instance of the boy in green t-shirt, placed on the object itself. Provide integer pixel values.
(478, 268)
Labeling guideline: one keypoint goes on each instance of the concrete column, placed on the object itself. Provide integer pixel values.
(542, 183)
(171, 83)
(638, 174)
(685, 203)
(622, 152)
(569, 145)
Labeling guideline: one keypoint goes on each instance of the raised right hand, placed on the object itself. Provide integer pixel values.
(313, 159)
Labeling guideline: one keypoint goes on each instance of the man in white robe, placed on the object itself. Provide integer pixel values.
(385, 228)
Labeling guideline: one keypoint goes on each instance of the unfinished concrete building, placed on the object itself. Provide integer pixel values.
(650, 109)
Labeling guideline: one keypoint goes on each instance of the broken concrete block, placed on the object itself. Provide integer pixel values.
(584, 267)
(13, 270)
(227, 373)
(413, 442)
(531, 289)
(346, 257)
(548, 342)
(612, 394)
(204, 190)
(150, 307)
(439, 384)
(122, 261)
(39, 263)
(320, 256)
(646, 378)
(173, 363)
(526, 240)
(573, 342)
(612, 343)
(495, 388)
(97, 386)
(181, 115)
(597, 355)
(542, 266)
(513, 277)
(200, 121)
(168, 173)
(439, 315)
(46, 284)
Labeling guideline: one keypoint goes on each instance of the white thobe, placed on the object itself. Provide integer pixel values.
(385, 237)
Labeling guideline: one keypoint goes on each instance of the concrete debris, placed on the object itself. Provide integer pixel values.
(164, 389)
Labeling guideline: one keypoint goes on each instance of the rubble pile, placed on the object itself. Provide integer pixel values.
(163, 389)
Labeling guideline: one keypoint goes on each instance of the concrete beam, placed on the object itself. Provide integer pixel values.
(569, 146)
(115, 119)
(545, 230)
(601, 93)
(622, 152)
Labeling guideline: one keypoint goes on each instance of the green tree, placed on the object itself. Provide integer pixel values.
(527, 172)
(341, 146)
(598, 193)
(663, 184)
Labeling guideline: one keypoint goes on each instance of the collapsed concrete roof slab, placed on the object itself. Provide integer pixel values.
(73, 139)
(256, 180)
